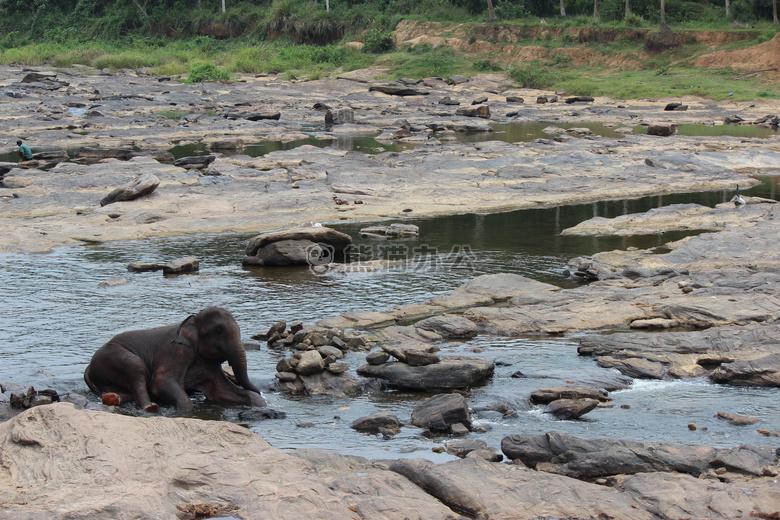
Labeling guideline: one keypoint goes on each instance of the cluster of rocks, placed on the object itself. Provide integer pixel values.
(302, 338)
(581, 269)
(570, 402)
(15, 398)
(417, 366)
(314, 368)
(442, 414)
(768, 120)
(31, 397)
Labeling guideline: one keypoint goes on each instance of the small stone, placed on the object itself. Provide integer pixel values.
(327, 350)
(458, 429)
(277, 328)
(337, 368)
(286, 377)
(140, 267)
(339, 343)
(182, 265)
(692, 427)
(296, 327)
(377, 357)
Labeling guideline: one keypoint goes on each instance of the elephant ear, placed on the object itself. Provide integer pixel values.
(187, 333)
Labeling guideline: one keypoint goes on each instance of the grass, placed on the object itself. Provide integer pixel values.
(665, 75)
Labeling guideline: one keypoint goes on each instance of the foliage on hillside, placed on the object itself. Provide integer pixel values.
(303, 40)
(308, 21)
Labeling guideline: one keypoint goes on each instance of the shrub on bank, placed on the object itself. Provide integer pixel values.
(207, 72)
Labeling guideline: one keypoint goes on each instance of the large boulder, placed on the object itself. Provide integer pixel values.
(312, 246)
(482, 111)
(441, 412)
(58, 461)
(553, 393)
(143, 185)
(399, 89)
(571, 408)
(339, 116)
(449, 374)
(377, 421)
(195, 161)
(764, 371)
(340, 385)
(742, 355)
(662, 129)
(585, 459)
(103, 153)
(449, 326)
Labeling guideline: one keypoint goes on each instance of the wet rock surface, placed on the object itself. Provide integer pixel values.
(581, 458)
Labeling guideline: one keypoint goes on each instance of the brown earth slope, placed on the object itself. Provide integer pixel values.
(511, 44)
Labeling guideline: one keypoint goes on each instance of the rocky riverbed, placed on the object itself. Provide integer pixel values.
(714, 296)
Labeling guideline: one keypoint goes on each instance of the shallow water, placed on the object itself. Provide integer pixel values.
(56, 314)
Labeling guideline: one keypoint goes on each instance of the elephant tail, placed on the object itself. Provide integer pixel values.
(89, 382)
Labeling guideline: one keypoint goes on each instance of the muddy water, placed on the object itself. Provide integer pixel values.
(55, 314)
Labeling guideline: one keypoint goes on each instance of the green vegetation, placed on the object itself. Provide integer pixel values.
(207, 72)
(299, 39)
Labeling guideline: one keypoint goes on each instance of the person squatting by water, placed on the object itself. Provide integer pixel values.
(25, 154)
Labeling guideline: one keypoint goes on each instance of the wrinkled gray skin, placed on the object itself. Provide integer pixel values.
(165, 363)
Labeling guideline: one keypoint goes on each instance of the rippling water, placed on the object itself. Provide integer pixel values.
(56, 314)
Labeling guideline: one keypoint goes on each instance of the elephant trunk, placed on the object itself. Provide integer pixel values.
(237, 361)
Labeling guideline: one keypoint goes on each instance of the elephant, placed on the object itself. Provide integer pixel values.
(165, 363)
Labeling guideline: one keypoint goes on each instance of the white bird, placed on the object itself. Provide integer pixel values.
(738, 199)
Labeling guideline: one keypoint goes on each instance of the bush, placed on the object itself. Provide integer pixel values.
(487, 66)
(379, 42)
(207, 72)
(634, 20)
(532, 76)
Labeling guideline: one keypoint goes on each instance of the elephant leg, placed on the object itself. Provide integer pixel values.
(119, 376)
(220, 389)
(167, 387)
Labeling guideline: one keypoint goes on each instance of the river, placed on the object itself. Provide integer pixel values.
(56, 314)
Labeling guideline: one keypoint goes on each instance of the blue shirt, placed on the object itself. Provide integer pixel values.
(25, 151)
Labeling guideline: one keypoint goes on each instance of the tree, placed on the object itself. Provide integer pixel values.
(595, 9)
(774, 11)
(628, 9)
(491, 11)
(664, 27)
(563, 9)
(727, 9)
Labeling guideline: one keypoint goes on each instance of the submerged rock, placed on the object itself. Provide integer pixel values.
(450, 373)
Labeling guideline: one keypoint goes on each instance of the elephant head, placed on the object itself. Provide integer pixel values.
(216, 338)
